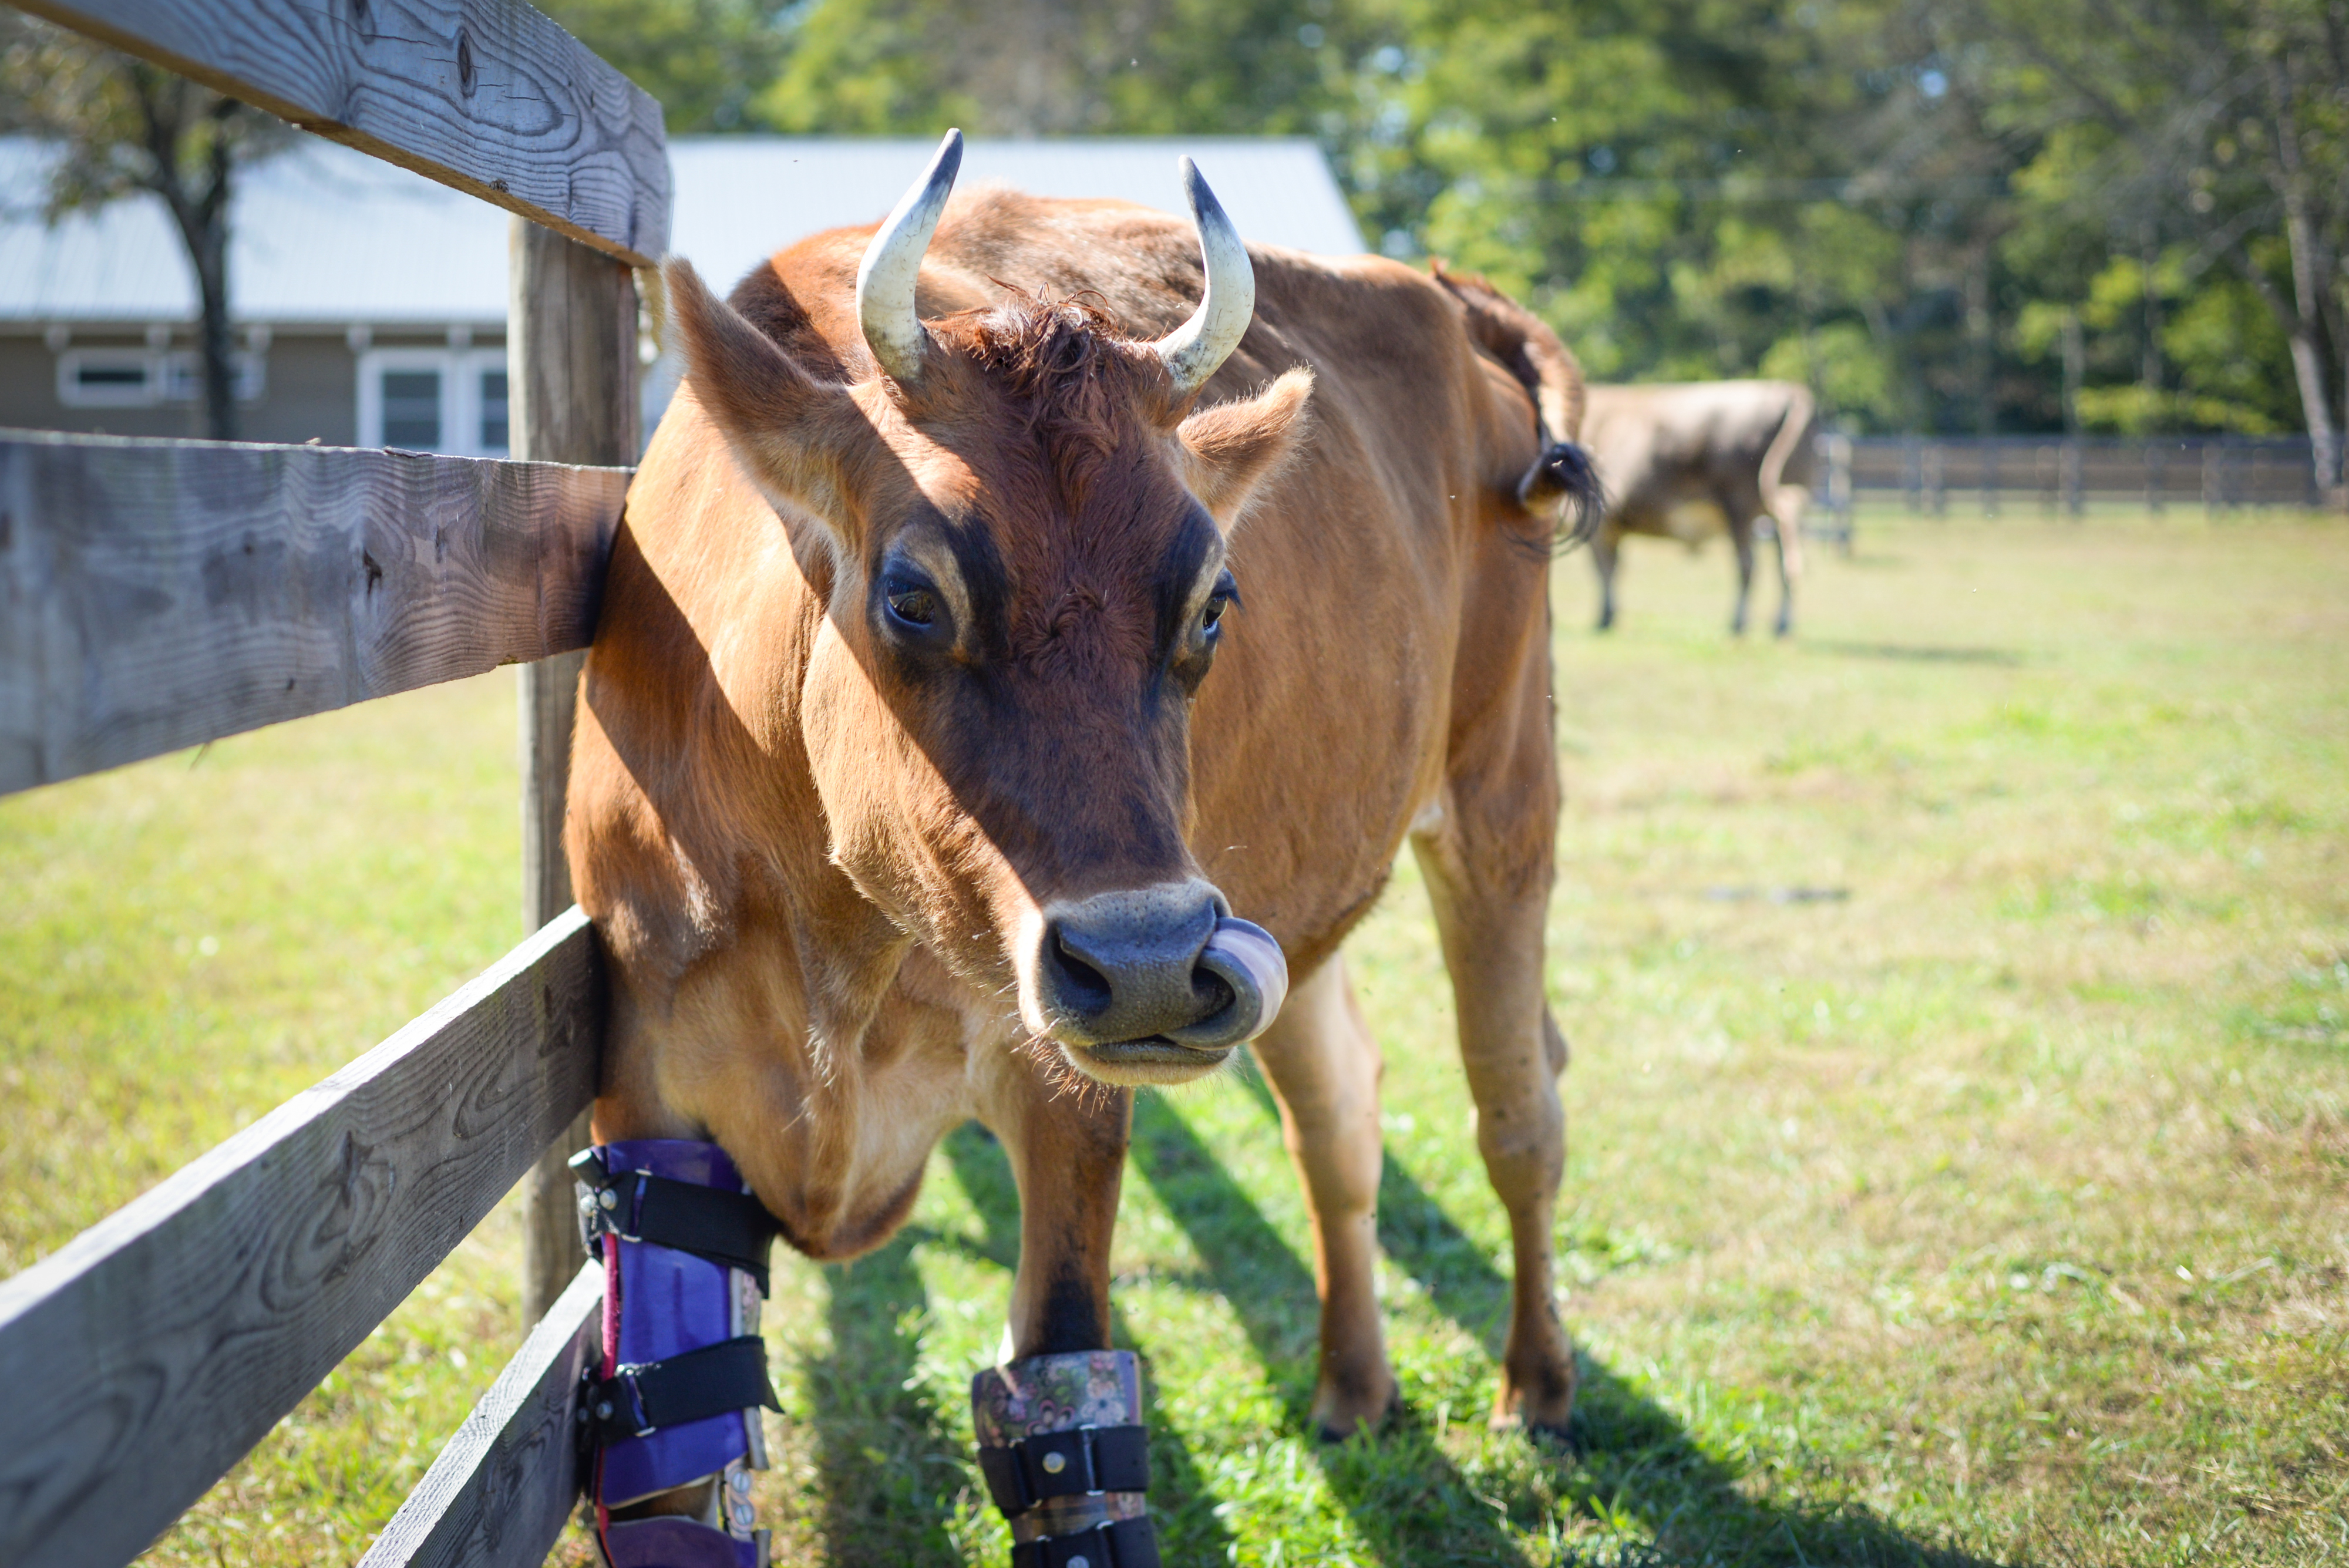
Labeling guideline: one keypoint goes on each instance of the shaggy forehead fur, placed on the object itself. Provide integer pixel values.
(1074, 495)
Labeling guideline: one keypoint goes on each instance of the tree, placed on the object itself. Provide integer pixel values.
(121, 126)
(706, 60)
(1942, 214)
(1049, 68)
(2196, 136)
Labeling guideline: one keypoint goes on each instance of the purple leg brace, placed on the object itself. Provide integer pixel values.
(683, 1372)
(1067, 1458)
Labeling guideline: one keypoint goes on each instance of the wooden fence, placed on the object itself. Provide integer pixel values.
(155, 595)
(1936, 475)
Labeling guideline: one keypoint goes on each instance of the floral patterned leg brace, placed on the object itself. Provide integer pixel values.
(1067, 1458)
(684, 1374)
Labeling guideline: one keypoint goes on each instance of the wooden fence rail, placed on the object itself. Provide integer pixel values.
(148, 1354)
(487, 95)
(155, 595)
(500, 1492)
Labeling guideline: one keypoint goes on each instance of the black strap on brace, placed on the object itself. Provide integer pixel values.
(647, 1396)
(729, 1229)
(1066, 1464)
(1119, 1543)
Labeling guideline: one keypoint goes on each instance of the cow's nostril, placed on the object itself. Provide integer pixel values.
(1083, 989)
(1214, 991)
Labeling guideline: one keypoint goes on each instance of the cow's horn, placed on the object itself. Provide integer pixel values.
(884, 279)
(1196, 349)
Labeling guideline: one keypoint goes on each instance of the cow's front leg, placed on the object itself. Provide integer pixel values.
(673, 1413)
(1060, 1428)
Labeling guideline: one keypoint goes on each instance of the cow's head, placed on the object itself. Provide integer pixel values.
(1017, 526)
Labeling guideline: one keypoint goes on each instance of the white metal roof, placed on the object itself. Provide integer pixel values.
(327, 237)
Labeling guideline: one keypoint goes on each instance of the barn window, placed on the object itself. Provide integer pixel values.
(109, 379)
(434, 400)
(411, 409)
(183, 376)
(493, 442)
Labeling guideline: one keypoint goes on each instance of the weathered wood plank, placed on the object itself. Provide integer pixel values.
(149, 1354)
(157, 595)
(499, 1493)
(571, 342)
(487, 95)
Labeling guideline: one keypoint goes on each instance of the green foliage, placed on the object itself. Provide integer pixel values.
(705, 60)
(1144, 66)
(1880, 197)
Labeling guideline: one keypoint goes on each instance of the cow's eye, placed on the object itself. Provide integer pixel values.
(1227, 594)
(912, 602)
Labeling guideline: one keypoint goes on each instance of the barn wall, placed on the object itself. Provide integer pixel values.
(310, 392)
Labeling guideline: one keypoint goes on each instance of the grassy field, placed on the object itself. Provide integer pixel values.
(1959, 1112)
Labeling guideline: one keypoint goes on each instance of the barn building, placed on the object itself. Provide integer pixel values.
(370, 304)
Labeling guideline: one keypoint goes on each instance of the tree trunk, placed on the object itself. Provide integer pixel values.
(166, 103)
(210, 250)
(2309, 265)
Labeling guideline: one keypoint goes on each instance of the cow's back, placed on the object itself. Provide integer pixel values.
(1660, 446)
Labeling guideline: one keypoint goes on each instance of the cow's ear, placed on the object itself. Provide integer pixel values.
(1230, 450)
(798, 436)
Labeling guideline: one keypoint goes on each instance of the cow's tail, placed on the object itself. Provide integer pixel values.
(1785, 472)
(1562, 474)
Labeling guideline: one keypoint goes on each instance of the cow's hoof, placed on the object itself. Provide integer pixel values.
(1557, 1439)
(1338, 1429)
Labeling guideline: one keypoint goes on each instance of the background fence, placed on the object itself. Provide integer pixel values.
(1937, 476)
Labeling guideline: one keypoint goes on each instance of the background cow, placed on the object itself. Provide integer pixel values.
(1681, 461)
(903, 792)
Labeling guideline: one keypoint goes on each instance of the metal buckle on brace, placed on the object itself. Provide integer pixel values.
(1113, 1543)
(600, 1200)
(598, 1412)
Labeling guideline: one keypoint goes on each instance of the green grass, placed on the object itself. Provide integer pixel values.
(1958, 1163)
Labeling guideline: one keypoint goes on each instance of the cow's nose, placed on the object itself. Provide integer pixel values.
(1122, 967)
(1160, 965)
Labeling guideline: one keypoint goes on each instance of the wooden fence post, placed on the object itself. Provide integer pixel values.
(571, 356)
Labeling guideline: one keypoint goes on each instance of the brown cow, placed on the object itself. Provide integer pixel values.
(1681, 461)
(903, 792)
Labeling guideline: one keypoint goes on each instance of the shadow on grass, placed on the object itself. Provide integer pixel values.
(1634, 1466)
(886, 1465)
(1409, 1500)
(1188, 1530)
(1917, 653)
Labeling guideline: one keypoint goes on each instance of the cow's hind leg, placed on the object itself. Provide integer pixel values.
(1604, 551)
(1786, 513)
(1324, 1070)
(1741, 539)
(1489, 868)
